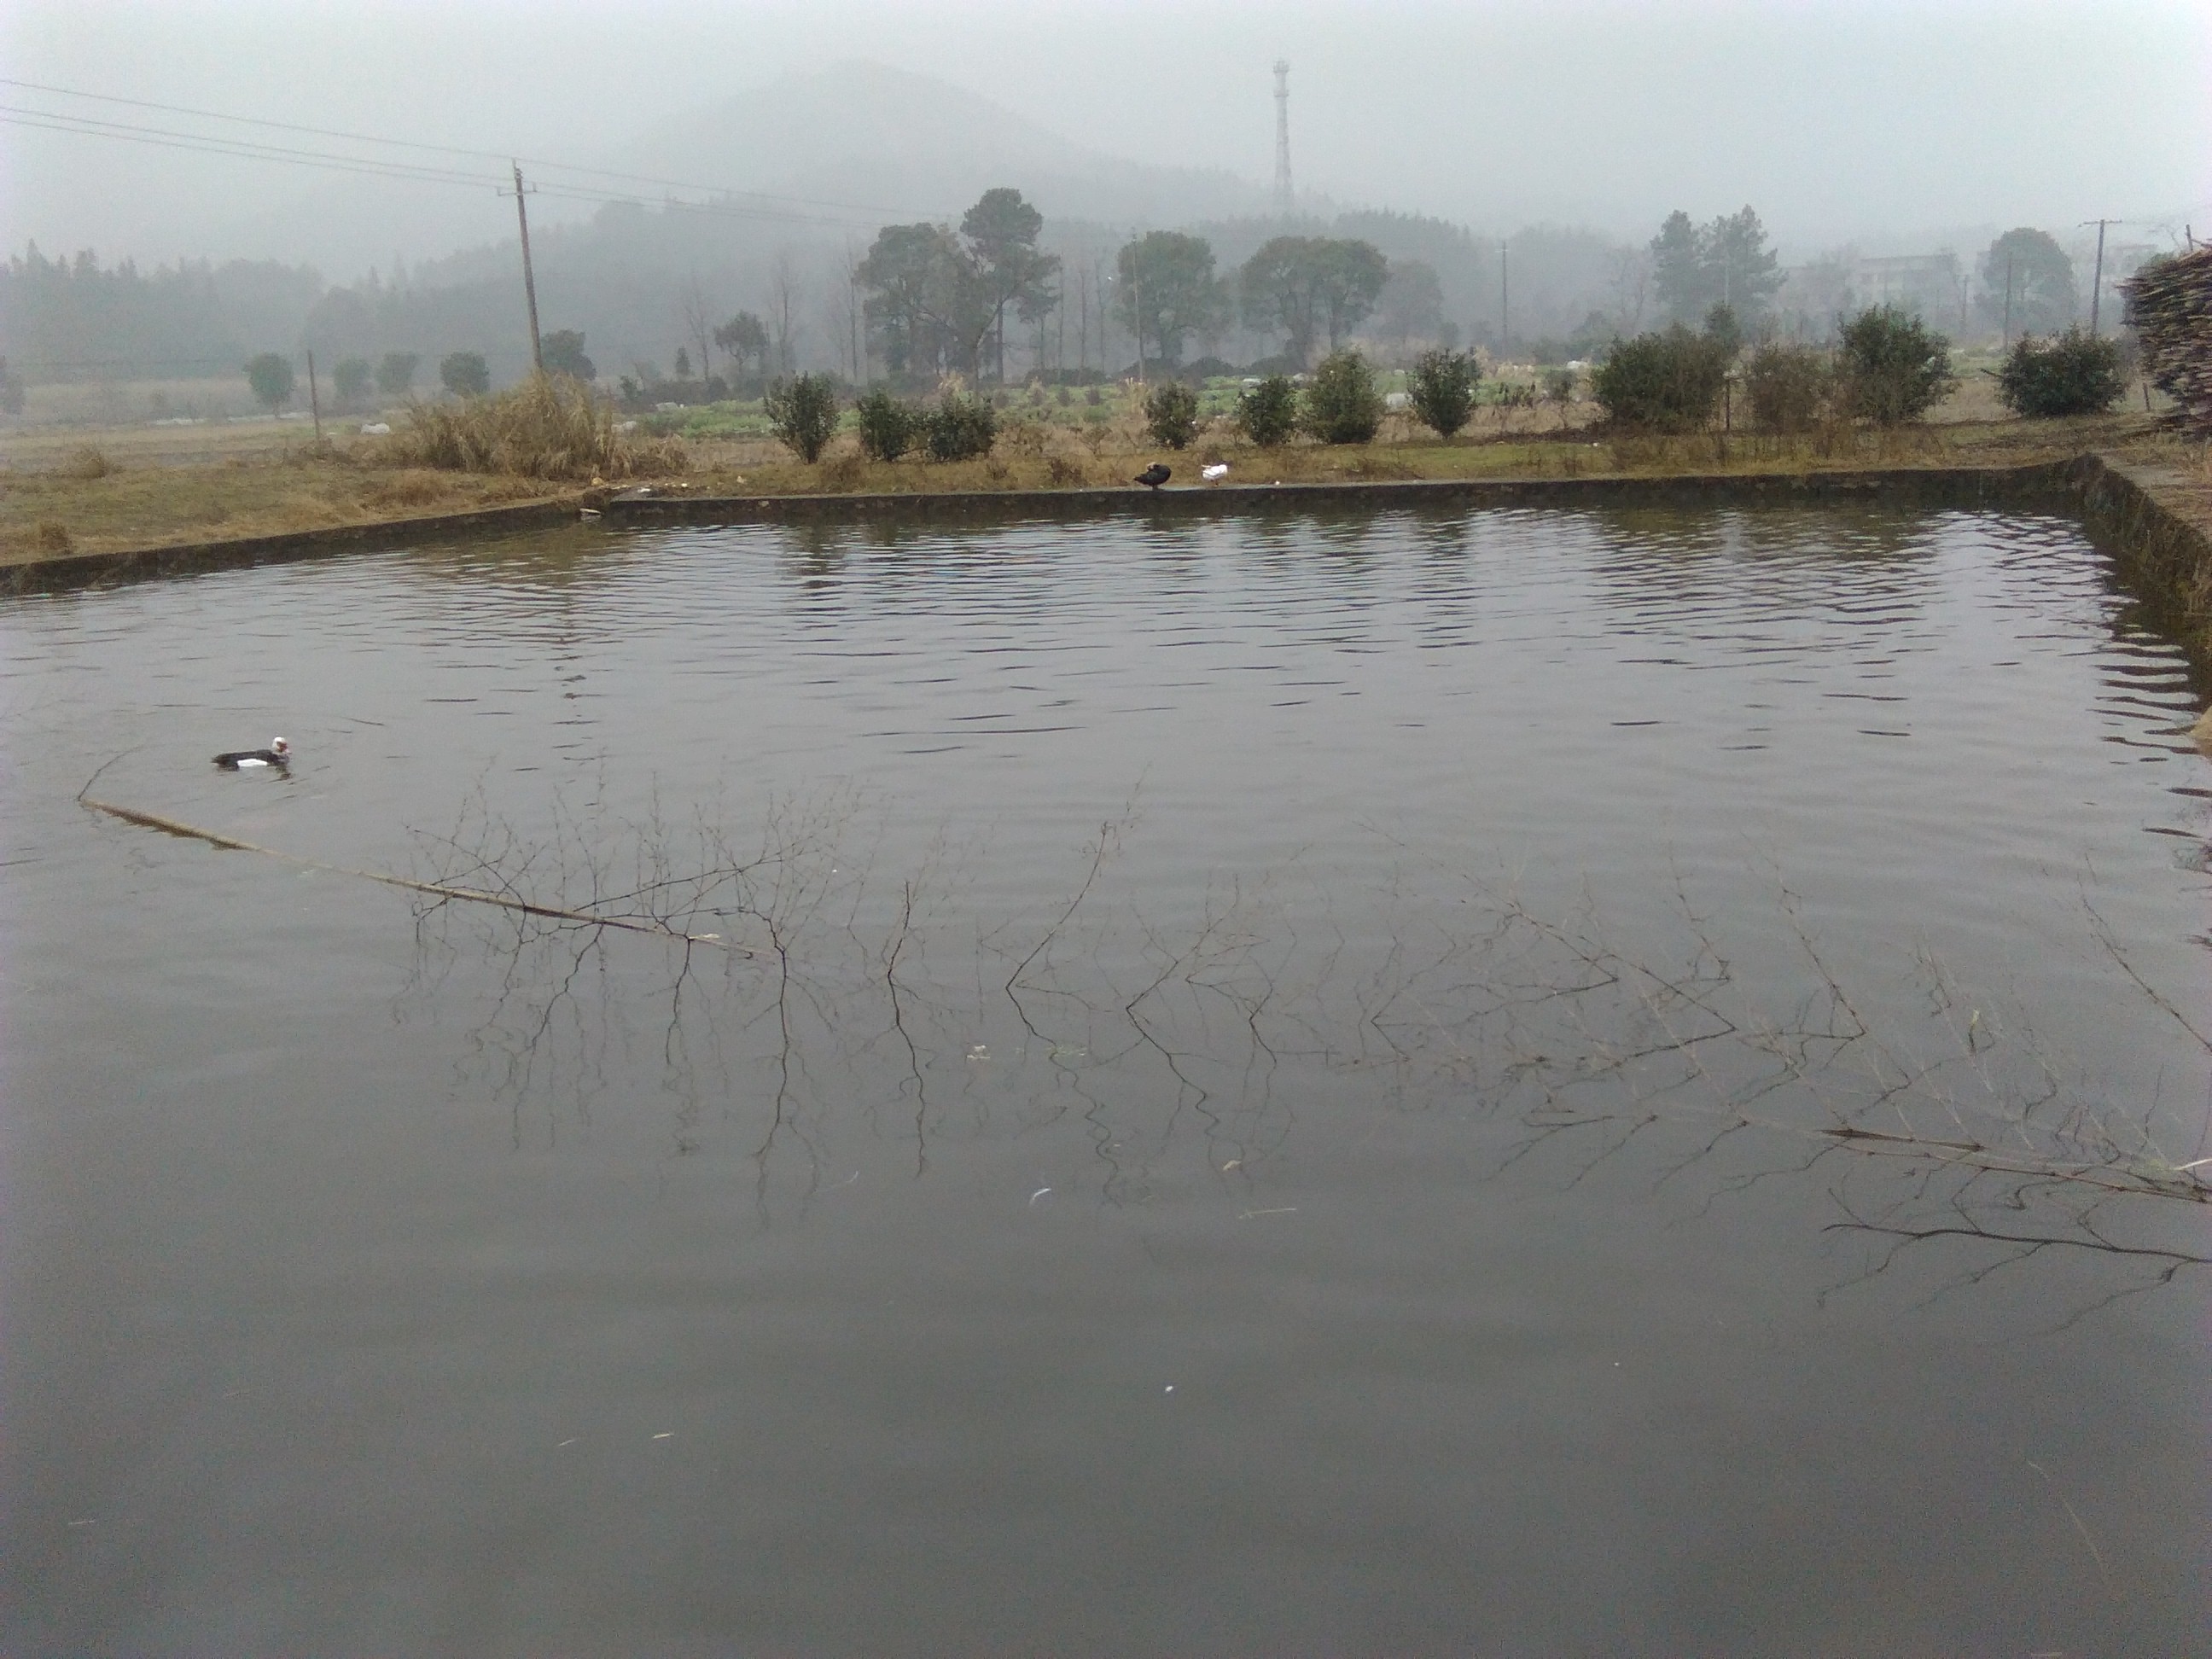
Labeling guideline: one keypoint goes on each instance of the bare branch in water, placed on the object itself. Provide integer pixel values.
(1932, 1114)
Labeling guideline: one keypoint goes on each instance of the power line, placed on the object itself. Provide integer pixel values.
(241, 149)
(419, 144)
(413, 173)
(244, 149)
(121, 362)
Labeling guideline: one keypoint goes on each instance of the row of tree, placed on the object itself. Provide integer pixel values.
(68, 320)
(994, 295)
(276, 381)
(939, 300)
(2024, 281)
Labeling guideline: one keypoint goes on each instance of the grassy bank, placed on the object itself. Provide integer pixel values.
(94, 490)
(92, 504)
(1034, 460)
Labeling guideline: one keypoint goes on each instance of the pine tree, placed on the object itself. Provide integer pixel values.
(1678, 270)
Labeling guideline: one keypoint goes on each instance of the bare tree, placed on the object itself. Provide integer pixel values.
(852, 310)
(698, 325)
(783, 298)
(1083, 328)
(1632, 278)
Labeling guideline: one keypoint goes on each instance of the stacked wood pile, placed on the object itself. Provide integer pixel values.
(2170, 308)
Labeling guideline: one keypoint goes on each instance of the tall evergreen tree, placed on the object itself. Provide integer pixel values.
(1725, 262)
(1002, 230)
(2041, 276)
(1741, 272)
(1678, 270)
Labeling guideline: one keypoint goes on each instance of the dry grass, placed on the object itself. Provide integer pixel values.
(1109, 456)
(549, 426)
(86, 462)
(46, 513)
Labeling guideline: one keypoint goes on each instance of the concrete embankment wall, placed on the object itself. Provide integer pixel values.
(58, 572)
(1975, 485)
(2163, 548)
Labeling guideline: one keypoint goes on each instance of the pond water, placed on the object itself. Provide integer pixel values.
(1459, 1081)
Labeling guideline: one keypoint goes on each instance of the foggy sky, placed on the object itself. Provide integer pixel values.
(1872, 122)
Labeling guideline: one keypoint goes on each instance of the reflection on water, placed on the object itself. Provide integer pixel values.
(1528, 1082)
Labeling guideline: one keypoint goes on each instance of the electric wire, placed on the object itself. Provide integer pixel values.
(406, 172)
(54, 117)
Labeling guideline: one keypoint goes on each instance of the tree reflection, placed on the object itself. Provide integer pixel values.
(855, 1001)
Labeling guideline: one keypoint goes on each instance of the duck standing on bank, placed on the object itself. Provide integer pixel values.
(1154, 476)
(277, 754)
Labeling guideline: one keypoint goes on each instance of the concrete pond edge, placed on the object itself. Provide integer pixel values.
(60, 572)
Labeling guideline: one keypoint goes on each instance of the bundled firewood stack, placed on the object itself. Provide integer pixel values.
(2170, 308)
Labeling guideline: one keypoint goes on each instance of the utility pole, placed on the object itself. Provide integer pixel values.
(2008, 323)
(529, 277)
(1504, 299)
(2097, 283)
(853, 311)
(1284, 200)
(315, 398)
(1137, 303)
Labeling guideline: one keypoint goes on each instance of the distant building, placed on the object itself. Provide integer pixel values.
(1928, 285)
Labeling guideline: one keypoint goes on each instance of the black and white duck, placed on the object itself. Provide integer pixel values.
(278, 753)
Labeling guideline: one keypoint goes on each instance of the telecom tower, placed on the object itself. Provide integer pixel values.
(1283, 197)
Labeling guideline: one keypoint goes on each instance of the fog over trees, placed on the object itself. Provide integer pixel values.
(875, 222)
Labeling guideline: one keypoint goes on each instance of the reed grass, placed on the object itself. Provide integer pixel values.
(549, 426)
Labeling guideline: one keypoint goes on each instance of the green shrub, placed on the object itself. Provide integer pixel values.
(1668, 382)
(959, 428)
(271, 377)
(464, 374)
(1267, 413)
(351, 380)
(1723, 330)
(395, 374)
(1171, 414)
(1788, 386)
(1443, 390)
(888, 427)
(2072, 373)
(562, 352)
(803, 414)
(1341, 403)
(1891, 367)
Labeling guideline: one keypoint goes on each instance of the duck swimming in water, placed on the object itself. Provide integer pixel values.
(278, 753)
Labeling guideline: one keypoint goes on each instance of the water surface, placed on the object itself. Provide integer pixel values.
(1264, 1084)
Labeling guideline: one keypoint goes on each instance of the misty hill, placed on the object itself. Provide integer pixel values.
(879, 145)
(641, 279)
(906, 146)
